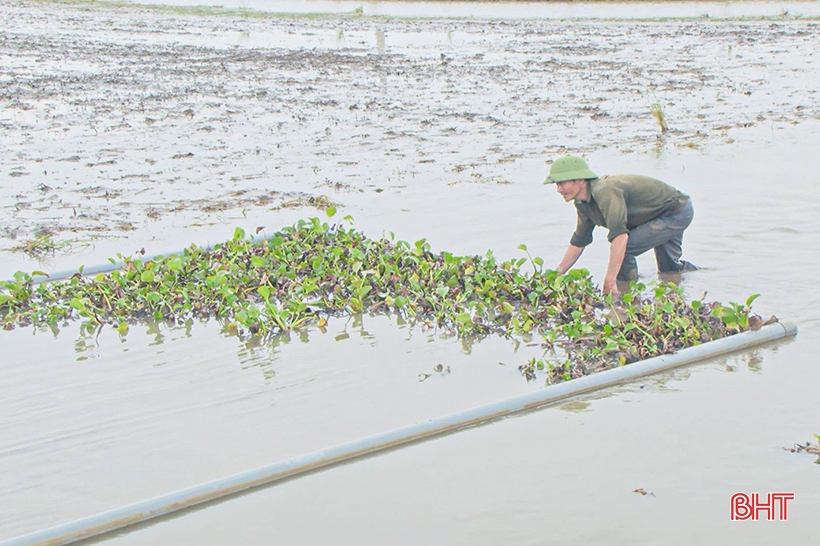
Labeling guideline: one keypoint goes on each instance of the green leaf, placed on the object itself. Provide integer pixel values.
(330, 211)
(147, 276)
(729, 317)
(464, 318)
(659, 291)
(175, 263)
(362, 291)
(751, 298)
(422, 246)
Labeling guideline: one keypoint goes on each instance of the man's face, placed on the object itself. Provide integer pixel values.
(571, 190)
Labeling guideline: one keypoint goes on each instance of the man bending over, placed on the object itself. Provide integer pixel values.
(641, 213)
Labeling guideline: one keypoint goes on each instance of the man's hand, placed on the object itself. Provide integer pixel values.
(617, 249)
(570, 257)
(610, 286)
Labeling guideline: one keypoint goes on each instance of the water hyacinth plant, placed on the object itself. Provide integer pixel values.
(310, 271)
(656, 109)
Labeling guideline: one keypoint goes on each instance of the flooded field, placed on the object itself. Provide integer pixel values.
(129, 128)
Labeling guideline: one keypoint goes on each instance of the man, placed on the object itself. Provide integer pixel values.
(639, 212)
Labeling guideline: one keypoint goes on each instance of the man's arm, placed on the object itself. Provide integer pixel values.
(617, 249)
(570, 257)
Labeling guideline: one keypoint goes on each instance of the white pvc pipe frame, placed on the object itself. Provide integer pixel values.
(139, 512)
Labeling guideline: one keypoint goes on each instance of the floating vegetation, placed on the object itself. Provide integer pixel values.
(320, 202)
(808, 447)
(310, 271)
(42, 245)
(656, 109)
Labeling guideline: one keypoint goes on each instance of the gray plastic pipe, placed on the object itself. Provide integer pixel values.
(126, 516)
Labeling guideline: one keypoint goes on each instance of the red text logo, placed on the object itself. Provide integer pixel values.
(774, 507)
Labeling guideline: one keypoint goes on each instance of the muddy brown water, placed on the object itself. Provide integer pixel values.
(89, 423)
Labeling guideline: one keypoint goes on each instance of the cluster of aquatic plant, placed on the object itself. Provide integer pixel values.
(310, 271)
(44, 244)
(808, 447)
(656, 109)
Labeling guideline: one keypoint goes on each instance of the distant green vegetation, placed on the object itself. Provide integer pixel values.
(311, 271)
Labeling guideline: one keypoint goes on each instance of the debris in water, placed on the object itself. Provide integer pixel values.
(811, 449)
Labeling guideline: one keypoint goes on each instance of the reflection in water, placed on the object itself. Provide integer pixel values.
(154, 329)
(266, 351)
(675, 277)
(55, 329)
(262, 352)
(576, 406)
(754, 361)
(87, 342)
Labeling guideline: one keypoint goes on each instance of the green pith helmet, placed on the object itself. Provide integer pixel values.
(569, 167)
